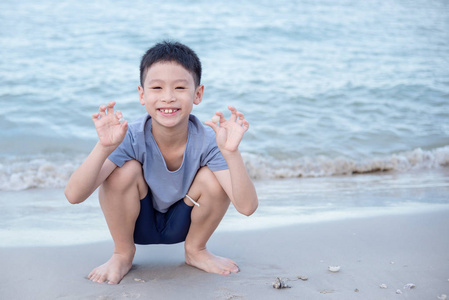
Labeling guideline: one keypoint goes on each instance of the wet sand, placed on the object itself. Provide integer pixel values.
(390, 250)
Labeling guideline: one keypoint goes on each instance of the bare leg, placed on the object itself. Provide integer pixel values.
(213, 205)
(120, 198)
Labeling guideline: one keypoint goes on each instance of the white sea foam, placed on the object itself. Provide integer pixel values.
(321, 166)
(18, 173)
(21, 174)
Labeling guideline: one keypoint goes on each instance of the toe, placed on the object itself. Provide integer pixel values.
(235, 269)
(94, 277)
(114, 279)
(232, 266)
(102, 278)
(94, 274)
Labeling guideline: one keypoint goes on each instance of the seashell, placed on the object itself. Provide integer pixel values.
(215, 119)
(303, 277)
(356, 290)
(280, 284)
(334, 269)
(398, 292)
(383, 286)
(442, 297)
(409, 286)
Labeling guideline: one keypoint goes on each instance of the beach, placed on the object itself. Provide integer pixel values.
(348, 145)
(393, 250)
(381, 229)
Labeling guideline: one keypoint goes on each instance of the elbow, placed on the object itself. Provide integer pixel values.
(70, 197)
(250, 210)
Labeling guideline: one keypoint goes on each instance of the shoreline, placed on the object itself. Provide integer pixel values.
(43, 216)
(394, 250)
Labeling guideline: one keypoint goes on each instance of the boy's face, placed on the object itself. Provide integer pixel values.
(169, 93)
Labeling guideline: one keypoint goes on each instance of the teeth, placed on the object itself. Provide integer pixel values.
(169, 111)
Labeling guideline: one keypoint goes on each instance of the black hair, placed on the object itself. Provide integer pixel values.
(168, 51)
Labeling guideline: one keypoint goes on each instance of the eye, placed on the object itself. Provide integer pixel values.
(156, 88)
(180, 88)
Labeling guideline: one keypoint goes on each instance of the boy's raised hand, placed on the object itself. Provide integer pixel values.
(229, 132)
(110, 130)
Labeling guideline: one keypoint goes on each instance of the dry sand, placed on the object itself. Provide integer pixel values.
(390, 250)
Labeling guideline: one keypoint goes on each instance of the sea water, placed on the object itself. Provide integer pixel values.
(351, 94)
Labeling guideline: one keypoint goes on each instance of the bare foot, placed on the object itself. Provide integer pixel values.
(113, 270)
(210, 263)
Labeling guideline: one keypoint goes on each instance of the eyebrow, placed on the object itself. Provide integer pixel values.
(160, 80)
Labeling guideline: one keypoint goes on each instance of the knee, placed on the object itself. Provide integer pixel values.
(205, 182)
(126, 176)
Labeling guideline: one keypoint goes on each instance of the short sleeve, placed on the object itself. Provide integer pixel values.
(210, 154)
(215, 160)
(125, 151)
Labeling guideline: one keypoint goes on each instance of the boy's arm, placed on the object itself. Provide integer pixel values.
(239, 187)
(96, 168)
(235, 181)
(88, 177)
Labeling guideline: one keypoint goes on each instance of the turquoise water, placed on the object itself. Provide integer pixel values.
(330, 88)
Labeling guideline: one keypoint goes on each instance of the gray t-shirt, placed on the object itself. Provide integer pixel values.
(166, 186)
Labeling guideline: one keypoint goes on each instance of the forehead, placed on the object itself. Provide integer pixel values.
(168, 71)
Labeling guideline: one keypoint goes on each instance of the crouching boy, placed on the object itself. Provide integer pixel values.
(165, 178)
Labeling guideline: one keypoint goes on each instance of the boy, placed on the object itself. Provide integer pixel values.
(165, 178)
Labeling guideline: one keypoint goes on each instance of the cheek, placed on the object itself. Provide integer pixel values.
(147, 100)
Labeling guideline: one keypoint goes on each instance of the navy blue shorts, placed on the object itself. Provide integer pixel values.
(153, 227)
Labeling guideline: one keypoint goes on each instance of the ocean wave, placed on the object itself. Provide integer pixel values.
(18, 173)
(45, 172)
(320, 166)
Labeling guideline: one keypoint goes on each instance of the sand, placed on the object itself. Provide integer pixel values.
(392, 250)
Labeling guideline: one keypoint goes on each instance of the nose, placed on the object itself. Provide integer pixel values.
(168, 97)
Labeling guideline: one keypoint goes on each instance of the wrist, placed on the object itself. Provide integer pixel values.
(230, 154)
(105, 150)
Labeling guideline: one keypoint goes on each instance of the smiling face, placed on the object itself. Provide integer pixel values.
(168, 94)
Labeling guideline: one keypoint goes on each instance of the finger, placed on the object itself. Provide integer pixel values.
(240, 115)
(233, 116)
(95, 117)
(110, 107)
(102, 110)
(212, 125)
(222, 117)
(118, 115)
(232, 108)
(245, 125)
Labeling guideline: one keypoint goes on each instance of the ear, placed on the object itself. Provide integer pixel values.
(141, 94)
(198, 94)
